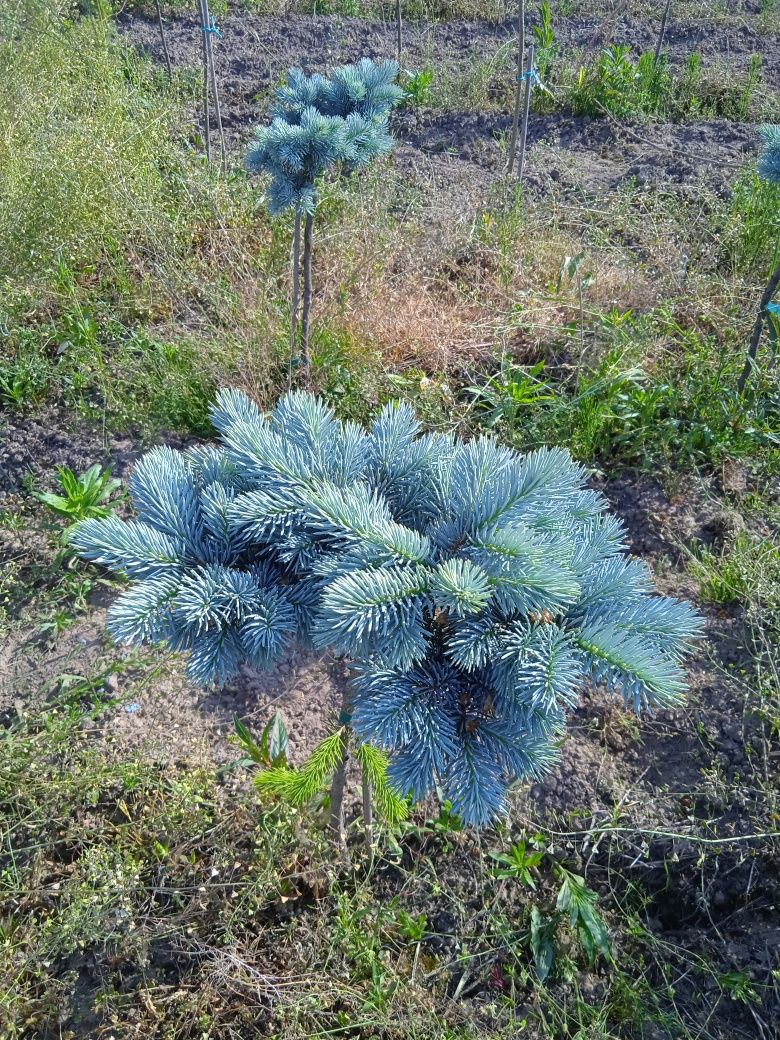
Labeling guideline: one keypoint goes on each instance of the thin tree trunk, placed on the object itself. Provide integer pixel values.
(526, 111)
(661, 32)
(213, 77)
(337, 787)
(164, 41)
(510, 162)
(296, 282)
(307, 251)
(755, 339)
(206, 116)
(368, 812)
(399, 37)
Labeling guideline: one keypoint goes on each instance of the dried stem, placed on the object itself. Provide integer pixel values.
(398, 30)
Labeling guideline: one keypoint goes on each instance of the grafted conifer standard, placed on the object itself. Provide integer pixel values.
(475, 590)
(768, 170)
(318, 123)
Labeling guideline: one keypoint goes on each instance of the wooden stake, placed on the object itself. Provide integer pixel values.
(164, 41)
(526, 109)
(661, 32)
(398, 30)
(307, 251)
(206, 116)
(213, 78)
(510, 161)
(758, 325)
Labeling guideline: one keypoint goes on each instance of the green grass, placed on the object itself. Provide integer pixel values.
(167, 884)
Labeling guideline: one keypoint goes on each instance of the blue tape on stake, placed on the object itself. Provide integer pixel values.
(773, 308)
(536, 79)
(212, 28)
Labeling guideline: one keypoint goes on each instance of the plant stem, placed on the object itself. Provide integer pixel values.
(766, 299)
(164, 41)
(661, 33)
(510, 162)
(398, 30)
(526, 111)
(368, 812)
(296, 282)
(337, 786)
(307, 251)
(206, 119)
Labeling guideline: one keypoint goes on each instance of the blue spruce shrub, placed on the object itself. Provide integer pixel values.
(769, 159)
(475, 590)
(317, 123)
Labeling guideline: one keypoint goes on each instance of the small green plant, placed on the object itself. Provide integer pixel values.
(506, 396)
(273, 748)
(83, 498)
(577, 903)
(519, 862)
(575, 907)
(418, 87)
(412, 929)
(545, 39)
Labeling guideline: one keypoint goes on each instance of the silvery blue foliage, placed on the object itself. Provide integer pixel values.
(475, 590)
(318, 122)
(769, 160)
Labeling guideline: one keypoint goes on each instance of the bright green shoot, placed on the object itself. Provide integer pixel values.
(519, 863)
(83, 498)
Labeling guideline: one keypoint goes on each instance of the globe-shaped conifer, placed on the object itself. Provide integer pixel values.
(476, 591)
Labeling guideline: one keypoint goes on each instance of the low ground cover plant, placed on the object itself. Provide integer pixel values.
(474, 590)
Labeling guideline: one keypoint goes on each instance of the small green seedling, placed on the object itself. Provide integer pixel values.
(412, 929)
(273, 747)
(577, 902)
(418, 86)
(83, 498)
(518, 864)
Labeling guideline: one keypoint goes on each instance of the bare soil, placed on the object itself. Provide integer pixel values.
(256, 51)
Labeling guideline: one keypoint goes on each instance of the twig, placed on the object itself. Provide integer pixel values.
(398, 30)
(510, 162)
